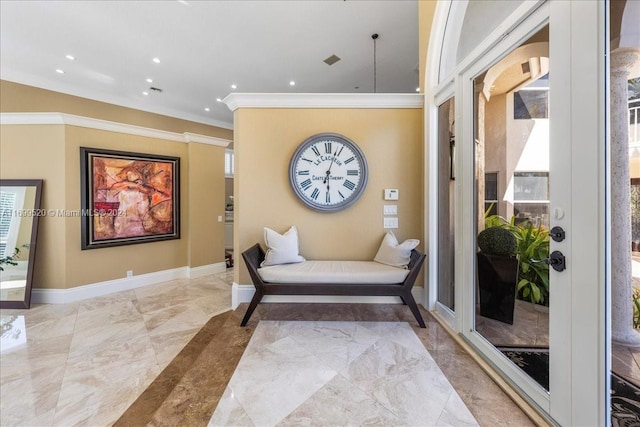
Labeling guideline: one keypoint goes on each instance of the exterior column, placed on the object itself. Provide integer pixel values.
(622, 331)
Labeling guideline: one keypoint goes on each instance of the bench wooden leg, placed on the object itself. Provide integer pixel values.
(414, 309)
(257, 297)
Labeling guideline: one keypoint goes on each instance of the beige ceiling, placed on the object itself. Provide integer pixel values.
(206, 46)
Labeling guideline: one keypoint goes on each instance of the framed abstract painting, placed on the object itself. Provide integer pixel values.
(128, 198)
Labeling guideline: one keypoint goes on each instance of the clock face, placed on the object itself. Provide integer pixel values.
(328, 172)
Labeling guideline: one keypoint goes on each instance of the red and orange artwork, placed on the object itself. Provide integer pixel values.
(131, 197)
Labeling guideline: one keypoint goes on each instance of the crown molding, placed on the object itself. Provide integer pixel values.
(324, 100)
(202, 139)
(88, 122)
(57, 85)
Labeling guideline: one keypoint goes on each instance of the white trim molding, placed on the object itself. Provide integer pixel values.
(323, 100)
(89, 122)
(202, 139)
(79, 293)
(244, 293)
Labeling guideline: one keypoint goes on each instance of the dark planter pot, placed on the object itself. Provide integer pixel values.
(497, 280)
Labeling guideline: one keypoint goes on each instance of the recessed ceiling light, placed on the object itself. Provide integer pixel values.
(149, 80)
(219, 99)
(292, 83)
(207, 109)
(70, 57)
(156, 60)
(234, 87)
(145, 93)
(59, 71)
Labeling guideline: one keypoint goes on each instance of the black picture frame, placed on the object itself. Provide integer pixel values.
(128, 198)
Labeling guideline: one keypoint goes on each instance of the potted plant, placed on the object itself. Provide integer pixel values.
(533, 244)
(533, 278)
(497, 273)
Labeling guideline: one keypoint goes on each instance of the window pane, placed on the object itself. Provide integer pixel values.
(531, 186)
(228, 163)
(491, 186)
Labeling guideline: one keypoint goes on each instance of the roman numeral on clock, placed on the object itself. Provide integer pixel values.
(315, 150)
(315, 193)
(305, 184)
(349, 160)
(350, 185)
(327, 147)
(353, 172)
(303, 172)
(328, 197)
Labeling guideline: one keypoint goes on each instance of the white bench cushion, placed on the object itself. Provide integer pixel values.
(333, 272)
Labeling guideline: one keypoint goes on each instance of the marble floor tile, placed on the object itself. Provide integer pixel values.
(164, 355)
(341, 403)
(230, 409)
(385, 377)
(272, 382)
(85, 363)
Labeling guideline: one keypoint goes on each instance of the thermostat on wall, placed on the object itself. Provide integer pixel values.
(391, 194)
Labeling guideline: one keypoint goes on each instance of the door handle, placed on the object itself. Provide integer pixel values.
(556, 260)
(557, 234)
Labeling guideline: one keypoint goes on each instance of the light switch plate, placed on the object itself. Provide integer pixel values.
(390, 222)
(391, 194)
(390, 210)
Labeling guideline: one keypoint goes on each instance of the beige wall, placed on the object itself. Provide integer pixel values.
(206, 191)
(52, 153)
(37, 152)
(264, 141)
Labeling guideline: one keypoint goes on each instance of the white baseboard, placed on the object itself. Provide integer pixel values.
(79, 293)
(244, 293)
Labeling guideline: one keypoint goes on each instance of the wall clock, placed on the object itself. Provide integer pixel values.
(328, 172)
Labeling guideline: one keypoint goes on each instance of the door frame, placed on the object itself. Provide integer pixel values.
(579, 371)
(467, 223)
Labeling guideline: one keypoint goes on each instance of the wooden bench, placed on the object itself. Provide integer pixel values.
(254, 256)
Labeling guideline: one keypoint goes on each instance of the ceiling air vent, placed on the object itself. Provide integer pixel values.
(525, 67)
(331, 60)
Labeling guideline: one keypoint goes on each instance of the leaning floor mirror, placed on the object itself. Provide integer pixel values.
(19, 214)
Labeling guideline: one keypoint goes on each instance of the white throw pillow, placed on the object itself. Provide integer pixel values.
(281, 248)
(394, 254)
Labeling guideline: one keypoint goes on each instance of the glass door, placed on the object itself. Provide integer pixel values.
(530, 207)
(512, 211)
(446, 206)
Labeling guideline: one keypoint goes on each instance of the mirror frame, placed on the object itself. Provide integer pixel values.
(26, 303)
